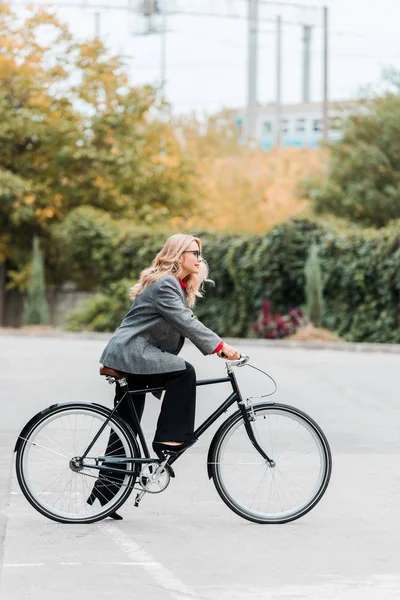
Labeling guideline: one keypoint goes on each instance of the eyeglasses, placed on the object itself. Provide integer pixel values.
(197, 253)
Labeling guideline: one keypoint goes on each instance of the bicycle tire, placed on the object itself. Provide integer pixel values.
(219, 456)
(35, 428)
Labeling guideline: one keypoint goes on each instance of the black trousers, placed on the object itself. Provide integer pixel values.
(175, 423)
(176, 420)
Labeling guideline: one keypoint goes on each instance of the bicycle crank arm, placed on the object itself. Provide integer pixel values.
(138, 498)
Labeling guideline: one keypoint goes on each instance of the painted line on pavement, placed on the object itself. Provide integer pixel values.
(78, 564)
(4, 517)
(22, 565)
(160, 574)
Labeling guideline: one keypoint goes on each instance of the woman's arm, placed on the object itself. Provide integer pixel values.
(167, 299)
(228, 352)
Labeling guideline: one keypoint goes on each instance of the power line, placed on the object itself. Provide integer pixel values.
(176, 13)
(127, 8)
(287, 4)
(253, 19)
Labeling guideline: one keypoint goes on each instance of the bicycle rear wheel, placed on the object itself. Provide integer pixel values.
(250, 486)
(48, 468)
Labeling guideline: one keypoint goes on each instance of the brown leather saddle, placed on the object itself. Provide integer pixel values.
(120, 375)
(112, 373)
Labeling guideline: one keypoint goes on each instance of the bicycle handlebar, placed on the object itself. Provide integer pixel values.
(238, 363)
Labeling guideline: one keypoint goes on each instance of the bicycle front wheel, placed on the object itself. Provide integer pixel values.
(271, 494)
(54, 479)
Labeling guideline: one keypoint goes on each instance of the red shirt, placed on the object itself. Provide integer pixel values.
(219, 347)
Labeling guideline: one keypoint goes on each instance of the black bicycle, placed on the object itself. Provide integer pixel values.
(270, 462)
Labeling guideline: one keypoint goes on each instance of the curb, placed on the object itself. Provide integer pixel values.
(338, 346)
(52, 333)
(294, 345)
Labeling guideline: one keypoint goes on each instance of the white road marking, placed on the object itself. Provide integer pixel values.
(165, 579)
(82, 563)
(23, 565)
(98, 562)
(105, 562)
(383, 587)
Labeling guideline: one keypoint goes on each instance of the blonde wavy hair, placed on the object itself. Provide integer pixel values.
(167, 263)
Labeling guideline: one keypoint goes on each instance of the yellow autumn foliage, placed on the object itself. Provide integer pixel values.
(244, 189)
(254, 192)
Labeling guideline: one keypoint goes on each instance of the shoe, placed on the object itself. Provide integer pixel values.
(164, 451)
(116, 516)
(113, 515)
(163, 448)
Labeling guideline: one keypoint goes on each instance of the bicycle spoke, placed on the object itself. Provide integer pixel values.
(271, 493)
(56, 479)
(60, 487)
(44, 448)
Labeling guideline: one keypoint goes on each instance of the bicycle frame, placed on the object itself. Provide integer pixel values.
(235, 396)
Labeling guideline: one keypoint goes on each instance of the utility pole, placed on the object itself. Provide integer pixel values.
(325, 117)
(149, 9)
(252, 71)
(307, 29)
(97, 17)
(278, 120)
(164, 43)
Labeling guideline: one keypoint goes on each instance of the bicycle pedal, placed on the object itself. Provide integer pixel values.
(139, 497)
(163, 458)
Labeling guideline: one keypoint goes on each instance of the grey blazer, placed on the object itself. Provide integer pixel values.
(154, 330)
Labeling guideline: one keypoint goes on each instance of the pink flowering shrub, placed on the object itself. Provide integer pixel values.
(276, 326)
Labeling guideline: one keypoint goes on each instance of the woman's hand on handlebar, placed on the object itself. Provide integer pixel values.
(228, 352)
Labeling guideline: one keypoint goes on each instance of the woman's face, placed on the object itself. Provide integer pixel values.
(190, 262)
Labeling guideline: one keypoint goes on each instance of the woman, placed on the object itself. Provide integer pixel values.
(147, 343)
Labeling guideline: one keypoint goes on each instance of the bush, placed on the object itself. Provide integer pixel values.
(313, 291)
(93, 250)
(362, 284)
(276, 326)
(360, 270)
(85, 246)
(36, 311)
(104, 311)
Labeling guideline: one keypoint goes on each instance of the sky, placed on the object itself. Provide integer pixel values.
(206, 56)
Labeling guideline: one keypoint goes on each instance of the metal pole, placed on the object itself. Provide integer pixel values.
(325, 117)
(252, 70)
(306, 62)
(97, 17)
(278, 123)
(164, 44)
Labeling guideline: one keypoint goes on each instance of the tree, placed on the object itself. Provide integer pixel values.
(243, 189)
(73, 132)
(362, 182)
(36, 310)
(313, 287)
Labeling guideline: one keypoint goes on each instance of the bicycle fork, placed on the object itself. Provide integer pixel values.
(246, 408)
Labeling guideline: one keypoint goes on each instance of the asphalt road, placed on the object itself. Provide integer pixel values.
(185, 543)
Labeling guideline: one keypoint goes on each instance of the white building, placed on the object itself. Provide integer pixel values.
(301, 124)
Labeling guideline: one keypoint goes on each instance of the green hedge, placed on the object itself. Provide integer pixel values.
(104, 311)
(360, 268)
